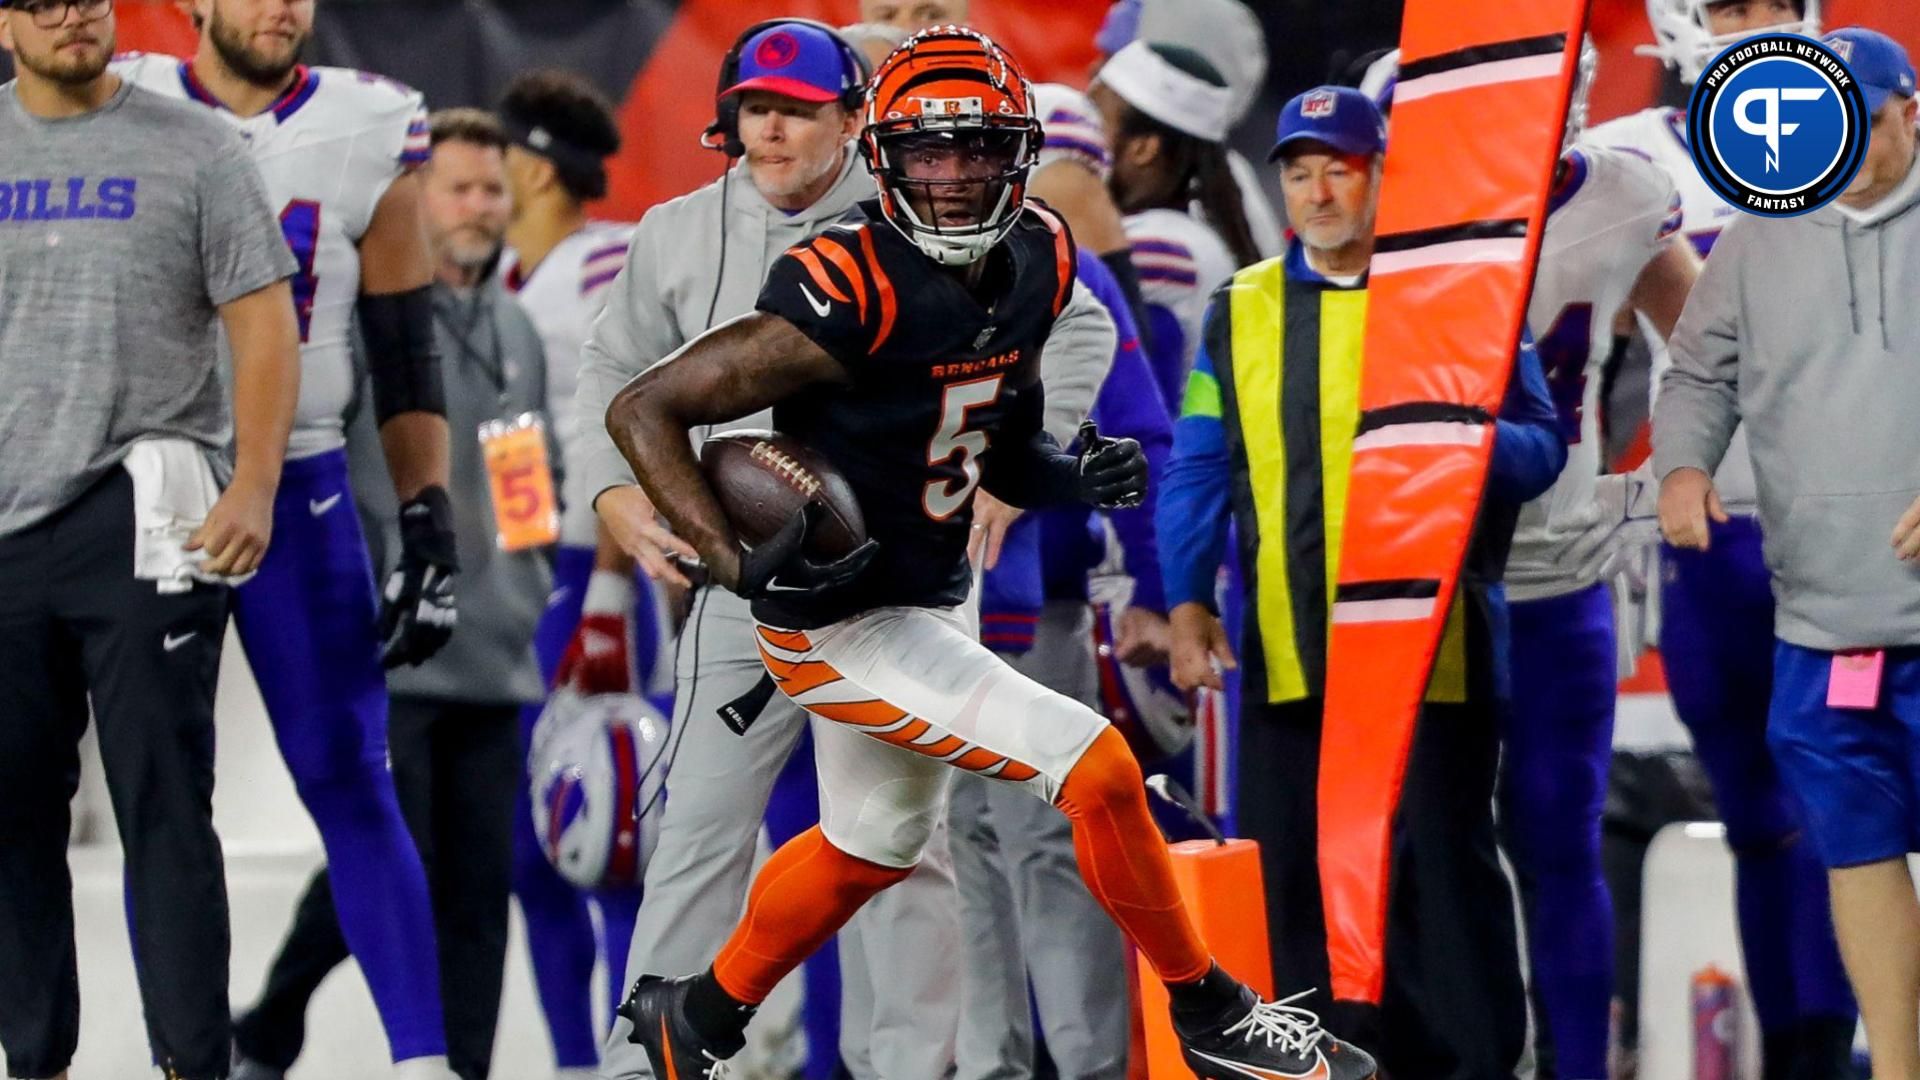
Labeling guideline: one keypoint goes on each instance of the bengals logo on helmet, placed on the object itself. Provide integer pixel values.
(953, 82)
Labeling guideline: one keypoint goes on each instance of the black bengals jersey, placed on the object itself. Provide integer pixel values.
(938, 378)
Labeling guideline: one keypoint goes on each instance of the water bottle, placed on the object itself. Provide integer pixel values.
(1716, 1021)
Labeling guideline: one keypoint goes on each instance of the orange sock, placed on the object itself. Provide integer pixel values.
(1124, 860)
(804, 893)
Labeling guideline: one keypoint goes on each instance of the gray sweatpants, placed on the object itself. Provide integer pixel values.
(1025, 911)
(901, 999)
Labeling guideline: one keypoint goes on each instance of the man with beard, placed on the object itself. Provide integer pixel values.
(127, 223)
(335, 148)
(455, 732)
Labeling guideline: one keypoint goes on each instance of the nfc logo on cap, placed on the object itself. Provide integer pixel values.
(1319, 105)
(969, 106)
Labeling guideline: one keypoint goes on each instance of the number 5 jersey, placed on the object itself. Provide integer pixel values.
(328, 149)
(937, 377)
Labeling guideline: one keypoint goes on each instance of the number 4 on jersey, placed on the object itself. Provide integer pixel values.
(942, 498)
(300, 222)
(1564, 352)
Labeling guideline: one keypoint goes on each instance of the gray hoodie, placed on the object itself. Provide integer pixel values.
(494, 368)
(1808, 329)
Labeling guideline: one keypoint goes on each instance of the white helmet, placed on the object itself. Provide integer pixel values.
(1155, 717)
(1071, 129)
(1685, 41)
(597, 779)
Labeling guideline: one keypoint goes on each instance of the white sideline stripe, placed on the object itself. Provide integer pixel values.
(1373, 611)
(1491, 73)
(1437, 433)
(1454, 253)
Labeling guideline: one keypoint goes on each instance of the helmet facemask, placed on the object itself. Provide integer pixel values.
(1685, 41)
(954, 191)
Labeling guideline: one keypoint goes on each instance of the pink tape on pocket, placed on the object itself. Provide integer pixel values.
(1853, 682)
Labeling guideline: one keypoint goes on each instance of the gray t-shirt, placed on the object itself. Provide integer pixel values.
(121, 232)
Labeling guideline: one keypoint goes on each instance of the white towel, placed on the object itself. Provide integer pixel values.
(173, 490)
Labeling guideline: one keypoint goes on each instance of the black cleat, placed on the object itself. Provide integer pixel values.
(657, 1010)
(1270, 1040)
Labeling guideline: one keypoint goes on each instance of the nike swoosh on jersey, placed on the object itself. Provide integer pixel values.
(1320, 1071)
(820, 307)
(170, 643)
(316, 507)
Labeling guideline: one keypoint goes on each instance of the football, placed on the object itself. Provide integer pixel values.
(764, 478)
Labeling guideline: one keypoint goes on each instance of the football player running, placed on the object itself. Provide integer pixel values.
(1716, 624)
(336, 148)
(904, 349)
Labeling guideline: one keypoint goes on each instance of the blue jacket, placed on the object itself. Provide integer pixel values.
(1047, 554)
(1528, 454)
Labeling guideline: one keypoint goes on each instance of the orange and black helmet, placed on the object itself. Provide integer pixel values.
(950, 138)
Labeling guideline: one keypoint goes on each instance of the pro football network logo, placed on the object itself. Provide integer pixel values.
(1778, 125)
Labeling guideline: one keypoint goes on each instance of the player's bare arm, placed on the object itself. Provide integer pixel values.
(265, 339)
(733, 370)
(1661, 290)
(396, 272)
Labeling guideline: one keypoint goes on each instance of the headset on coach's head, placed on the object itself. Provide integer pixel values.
(724, 133)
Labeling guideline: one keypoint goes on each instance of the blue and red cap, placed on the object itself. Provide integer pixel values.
(1878, 61)
(1338, 116)
(794, 60)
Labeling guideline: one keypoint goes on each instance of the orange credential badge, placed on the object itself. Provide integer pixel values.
(526, 512)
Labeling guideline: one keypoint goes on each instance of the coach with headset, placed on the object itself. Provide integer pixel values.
(789, 106)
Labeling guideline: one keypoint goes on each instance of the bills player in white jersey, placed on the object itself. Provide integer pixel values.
(1166, 110)
(1611, 245)
(1716, 625)
(335, 148)
(602, 627)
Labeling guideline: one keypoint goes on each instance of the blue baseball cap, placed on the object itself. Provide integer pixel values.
(1339, 116)
(1878, 61)
(795, 60)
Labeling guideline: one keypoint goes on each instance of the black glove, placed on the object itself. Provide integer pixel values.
(418, 616)
(780, 566)
(1113, 472)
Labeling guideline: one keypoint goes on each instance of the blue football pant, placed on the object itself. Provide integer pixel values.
(561, 938)
(1716, 640)
(1557, 737)
(309, 625)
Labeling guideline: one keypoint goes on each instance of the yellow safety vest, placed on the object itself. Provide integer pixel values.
(1277, 420)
